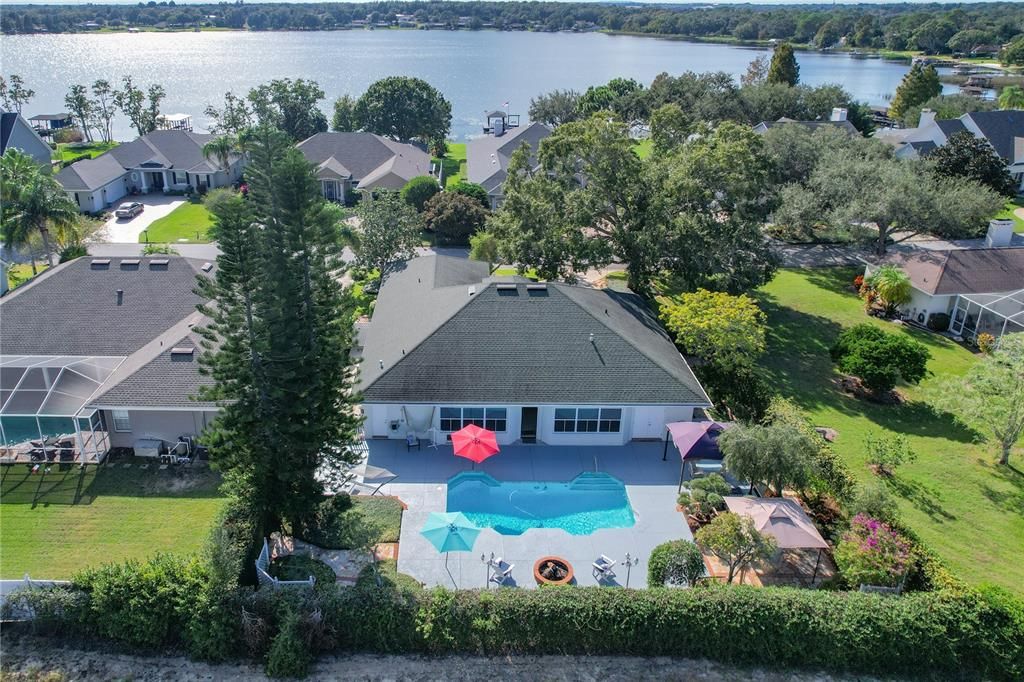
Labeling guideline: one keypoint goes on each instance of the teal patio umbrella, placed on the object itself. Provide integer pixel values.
(450, 532)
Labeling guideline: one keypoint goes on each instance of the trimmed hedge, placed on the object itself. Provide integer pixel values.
(968, 635)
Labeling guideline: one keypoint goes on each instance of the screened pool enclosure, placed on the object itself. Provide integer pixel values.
(995, 314)
(42, 408)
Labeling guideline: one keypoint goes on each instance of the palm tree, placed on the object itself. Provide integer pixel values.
(40, 206)
(1012, 97)
(892, 286)
(17, 170)
(221, 148)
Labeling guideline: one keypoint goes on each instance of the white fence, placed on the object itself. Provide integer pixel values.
(265, 579)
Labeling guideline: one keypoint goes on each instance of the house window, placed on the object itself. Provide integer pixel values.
(491, 418)
(122, 423)
(180, 178)
(588, 420)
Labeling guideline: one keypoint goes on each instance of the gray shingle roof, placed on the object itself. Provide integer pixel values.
(90, 174)
(1000, 128)
(168, 380)
(517, 345)
(962, 271)
(950, 126)
(375, 161)
(810, 125)
(487, 157)
(73, 310)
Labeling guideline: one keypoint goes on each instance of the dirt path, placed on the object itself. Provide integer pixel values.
(30, 659)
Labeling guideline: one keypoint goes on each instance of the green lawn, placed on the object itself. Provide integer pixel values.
(20, 273)
(967, 509)
(454, 164)
(66, 152)
(52, 526)
(187, 223)
(1008, 212)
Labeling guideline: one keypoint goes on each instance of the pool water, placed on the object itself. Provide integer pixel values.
(588, 502)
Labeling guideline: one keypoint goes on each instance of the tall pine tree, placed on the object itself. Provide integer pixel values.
(784, 68)
(919, 85)
(279, 337)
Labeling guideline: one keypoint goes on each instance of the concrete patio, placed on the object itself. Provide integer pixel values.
(422, 484)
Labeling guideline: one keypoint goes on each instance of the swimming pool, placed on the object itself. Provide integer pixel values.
(588, 502)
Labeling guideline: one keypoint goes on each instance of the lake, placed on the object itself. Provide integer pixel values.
(476, 70)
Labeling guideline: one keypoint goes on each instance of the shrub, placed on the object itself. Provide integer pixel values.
(289, 654)
(72, 252)
(879, 358)
(734, 539)
(143, 604)
(678, 562)
(986, 342)
(300, 567)
(892, 286)
(454, 218)
(68, 135)
(159, 249)
(858, 282)
(473, 191)
(888, 452)
(706, 496)
(390, 578)
(738, 395)
(58, 610)
(873, 499)
(938, 322)
(483, 246)
(728, 331)
(341, 522)
(872, 553)
(419, 190)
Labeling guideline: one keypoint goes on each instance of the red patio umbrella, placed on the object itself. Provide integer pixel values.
(474, 443)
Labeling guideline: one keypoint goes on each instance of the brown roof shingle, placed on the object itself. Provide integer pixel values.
(962, 271)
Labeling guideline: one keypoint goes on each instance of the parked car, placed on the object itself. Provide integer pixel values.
(129, 210)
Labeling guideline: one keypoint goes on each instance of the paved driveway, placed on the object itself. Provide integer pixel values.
(422, 484)
(157, 206)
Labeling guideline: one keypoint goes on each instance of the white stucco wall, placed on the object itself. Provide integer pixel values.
(638, 422)
(165, 425)
(102, 198)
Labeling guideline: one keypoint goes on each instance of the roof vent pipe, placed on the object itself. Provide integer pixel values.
(381, 362)
(120, 296)
(591, 337)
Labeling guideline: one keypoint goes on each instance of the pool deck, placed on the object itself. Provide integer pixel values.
(422, 484)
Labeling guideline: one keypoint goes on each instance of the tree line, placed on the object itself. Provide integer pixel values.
(932, 28)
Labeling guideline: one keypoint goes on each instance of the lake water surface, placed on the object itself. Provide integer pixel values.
(476, 70)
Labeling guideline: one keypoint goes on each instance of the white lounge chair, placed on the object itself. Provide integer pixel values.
(603, 568)
(502, 575)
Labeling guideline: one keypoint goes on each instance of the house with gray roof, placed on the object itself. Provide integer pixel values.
(450, 345)
(838, 119)
(487, 157)
(1003, 130)
(102, 353)
(346, 162)
(980, 289)
(160, 161)
(17, 133)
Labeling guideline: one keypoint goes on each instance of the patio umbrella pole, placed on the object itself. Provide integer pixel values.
(664, 450)
(682, 466)
(448, 571)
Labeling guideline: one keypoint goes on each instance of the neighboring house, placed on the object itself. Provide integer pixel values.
(1003, 130)
(448, 345)
(103, 350)
(346, 162)
(160, 161)
(980, 289)
(837, 120)
(48, 124)
(16, 133)
(487, 157)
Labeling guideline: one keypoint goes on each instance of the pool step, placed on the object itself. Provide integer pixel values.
(595, 480)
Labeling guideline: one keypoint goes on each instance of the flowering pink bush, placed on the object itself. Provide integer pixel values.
(872, 553)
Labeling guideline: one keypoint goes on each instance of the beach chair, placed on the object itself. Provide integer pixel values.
(502, 574)
(603, 568)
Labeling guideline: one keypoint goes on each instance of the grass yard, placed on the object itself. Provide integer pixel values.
(66, 152)
(52, 526)
(1009, 211)
(454, 163)
(187, 223)
(20, 273)
(964, 506)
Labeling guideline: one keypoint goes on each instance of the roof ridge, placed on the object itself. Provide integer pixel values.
(630, 342)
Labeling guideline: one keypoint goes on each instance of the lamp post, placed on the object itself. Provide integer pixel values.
(630, 563)
(487, 563)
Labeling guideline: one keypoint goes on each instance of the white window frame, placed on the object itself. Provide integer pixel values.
(122, 421)
(490, 417)
(602, 423)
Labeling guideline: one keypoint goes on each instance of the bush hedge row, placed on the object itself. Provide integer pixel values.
(971, 634)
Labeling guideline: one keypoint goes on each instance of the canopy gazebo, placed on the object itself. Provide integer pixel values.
(697, 444)
(784, 520)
